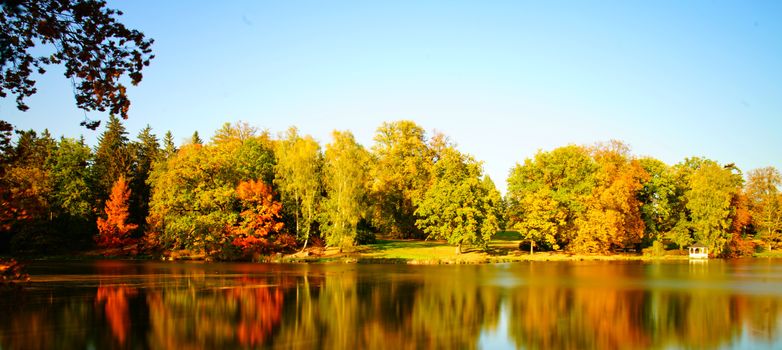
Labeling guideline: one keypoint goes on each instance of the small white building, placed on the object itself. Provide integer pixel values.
(699, 251)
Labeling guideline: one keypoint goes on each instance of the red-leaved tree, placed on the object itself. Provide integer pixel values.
(260, 217)
(114, 230)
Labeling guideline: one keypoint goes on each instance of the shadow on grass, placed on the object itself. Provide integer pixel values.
(507, 236)
(383, 245)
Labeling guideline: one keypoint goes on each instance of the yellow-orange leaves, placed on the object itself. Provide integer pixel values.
(260, 217)
(114, 230)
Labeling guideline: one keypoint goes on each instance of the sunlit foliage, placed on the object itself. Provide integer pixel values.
(400, 176)
(547, 194)
(765, 203)
(260, 217)
(612, 217)
(114, 230)
(194, 196)
(346, 176)
(458, 207)
(298, 177)
(711, 191)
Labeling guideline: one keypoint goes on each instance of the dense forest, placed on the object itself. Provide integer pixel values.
(246, 193)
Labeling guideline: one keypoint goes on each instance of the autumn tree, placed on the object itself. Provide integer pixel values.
(27, 177)
(458, 207)
(6, 150)
(400, 176)
(299, 179)
(546, 194)
(259, 219)
(98, 52)
(28, 208)
(194, 191)
(346, 176)
(765, 203)
(612, 216)
(114, 231)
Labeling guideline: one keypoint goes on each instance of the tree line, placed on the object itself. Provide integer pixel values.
(242, 193)
(246, 192)
(596, 198)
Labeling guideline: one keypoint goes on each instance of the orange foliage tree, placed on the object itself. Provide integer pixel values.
(260, 217)
(114, 230)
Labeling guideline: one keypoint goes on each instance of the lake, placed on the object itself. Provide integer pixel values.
(536, 305)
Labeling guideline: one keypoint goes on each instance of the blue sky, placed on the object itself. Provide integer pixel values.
(672, 79)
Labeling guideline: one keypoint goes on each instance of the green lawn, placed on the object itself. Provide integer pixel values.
(502, 248)
(507, 236)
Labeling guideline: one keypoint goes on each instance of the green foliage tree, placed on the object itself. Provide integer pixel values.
(113, 159)
(169, 148)
(146, 151)
(47, 200)
(400, 176)
(96, 50)
(712, 189)
(494, 203)
(547, 193)
(680, 234)
(544, 219)
(661, 199)
(346, 176)
(195, 139)
(70, 175)
(458, 206)
(299, 179)
(765, 203)
(28, 178)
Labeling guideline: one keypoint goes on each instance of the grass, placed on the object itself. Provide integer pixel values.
(767, 254)
(502, 248)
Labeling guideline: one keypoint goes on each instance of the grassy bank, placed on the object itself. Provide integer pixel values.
(502, 248)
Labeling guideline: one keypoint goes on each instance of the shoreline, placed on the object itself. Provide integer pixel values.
(387, 251)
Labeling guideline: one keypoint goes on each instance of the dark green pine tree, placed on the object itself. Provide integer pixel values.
(113, 158)
(195, 139)
(147, 152)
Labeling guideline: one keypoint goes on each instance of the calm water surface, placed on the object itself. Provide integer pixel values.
(540, 305)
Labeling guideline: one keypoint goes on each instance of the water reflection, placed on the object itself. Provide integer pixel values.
(537, 305)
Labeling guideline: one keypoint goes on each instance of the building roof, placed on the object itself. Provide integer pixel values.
(699, 245)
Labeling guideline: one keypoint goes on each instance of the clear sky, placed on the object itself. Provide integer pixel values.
(672, 79)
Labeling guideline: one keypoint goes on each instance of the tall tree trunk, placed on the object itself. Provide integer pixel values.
(531, 244)
(458, 249)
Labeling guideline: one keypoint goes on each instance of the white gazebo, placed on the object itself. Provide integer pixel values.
(699, 251)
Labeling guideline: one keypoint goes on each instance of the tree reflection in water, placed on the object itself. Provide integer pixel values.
(546, 305)
(115, 300)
